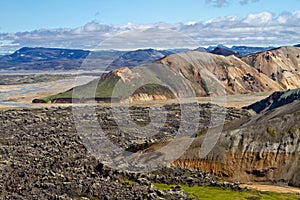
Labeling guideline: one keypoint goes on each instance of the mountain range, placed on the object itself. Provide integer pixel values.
(203, 73)
(39, 58)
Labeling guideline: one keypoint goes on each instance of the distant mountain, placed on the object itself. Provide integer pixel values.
(297, 45)
(141, 57)
(28, 54)
(211, 48)
(43, 58)
(246, 50)
(136, 58)
(39, 58)
(239, 50)
(207, 73)
(223, 51)
(201, 49)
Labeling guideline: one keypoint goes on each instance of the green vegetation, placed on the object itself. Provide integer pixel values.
(94, 198)
(293, 130)
(2, 141)
(202, 192)
(296, 114)
(272, 131)
(105, 88)
(199, 133)
(126, 180)
(95, 88)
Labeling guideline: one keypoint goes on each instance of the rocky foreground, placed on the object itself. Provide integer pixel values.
(43, 157)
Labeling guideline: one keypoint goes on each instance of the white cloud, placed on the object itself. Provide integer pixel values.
(190, 23)
(261, 29)
(259, 18)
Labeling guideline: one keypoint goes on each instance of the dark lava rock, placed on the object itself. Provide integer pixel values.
(43, 157)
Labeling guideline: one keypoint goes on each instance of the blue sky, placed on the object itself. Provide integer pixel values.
(28, 15)
(84, 24)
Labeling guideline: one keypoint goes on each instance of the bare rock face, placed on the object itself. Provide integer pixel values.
(146, 97)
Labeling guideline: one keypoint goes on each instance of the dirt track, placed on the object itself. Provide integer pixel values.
(272, 188)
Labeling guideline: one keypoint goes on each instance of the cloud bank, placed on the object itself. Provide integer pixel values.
(259, 29)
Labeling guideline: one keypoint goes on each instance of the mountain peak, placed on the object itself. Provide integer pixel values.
(219, 50)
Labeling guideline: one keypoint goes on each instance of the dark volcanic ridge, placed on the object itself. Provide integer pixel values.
(275, 100)
(261, 148)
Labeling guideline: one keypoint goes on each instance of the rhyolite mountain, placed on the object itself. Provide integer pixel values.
(272, 70)
(203, 73)
(260, 148)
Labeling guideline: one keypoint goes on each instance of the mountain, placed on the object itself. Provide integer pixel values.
(136, 58)
(211, 48)
(240, 50)
(272, 70)
(119, 84)
(39, 58)
(201, 49)
(141, 57)
(246, 50)
(28, 54)
(202, 73)
(260, 148)
(223, 51)
(280, 64)
(43, 58)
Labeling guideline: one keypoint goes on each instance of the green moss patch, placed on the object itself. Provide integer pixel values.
(216, 193)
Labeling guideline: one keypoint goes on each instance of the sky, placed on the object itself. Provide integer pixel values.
(73, 23)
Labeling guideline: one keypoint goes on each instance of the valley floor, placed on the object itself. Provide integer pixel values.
(21, 95)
